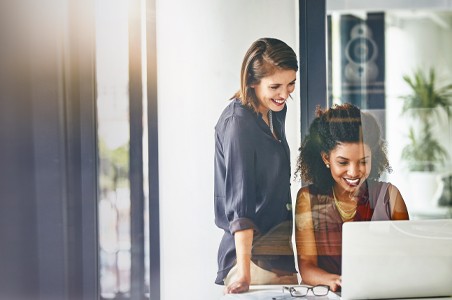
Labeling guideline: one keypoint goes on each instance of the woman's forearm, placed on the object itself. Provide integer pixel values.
(243, 244)
(313, 275)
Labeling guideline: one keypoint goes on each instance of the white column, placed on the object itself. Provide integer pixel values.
(200, 46)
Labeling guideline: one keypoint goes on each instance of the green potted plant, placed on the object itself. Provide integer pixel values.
(424, 153)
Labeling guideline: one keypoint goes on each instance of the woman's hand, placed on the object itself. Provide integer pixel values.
(334, 281)
(238, 286)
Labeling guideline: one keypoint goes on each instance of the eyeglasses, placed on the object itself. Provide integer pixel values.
(302, 290)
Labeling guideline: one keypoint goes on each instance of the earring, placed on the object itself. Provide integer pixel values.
(327, 165)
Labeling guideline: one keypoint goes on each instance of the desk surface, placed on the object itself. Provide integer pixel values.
(267, 292)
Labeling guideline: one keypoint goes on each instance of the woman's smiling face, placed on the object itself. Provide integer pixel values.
(350, 165)
(272, 91)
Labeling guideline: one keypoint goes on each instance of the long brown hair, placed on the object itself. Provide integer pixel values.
(263, 58)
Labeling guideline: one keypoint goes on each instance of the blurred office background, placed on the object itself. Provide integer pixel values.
(107, 124)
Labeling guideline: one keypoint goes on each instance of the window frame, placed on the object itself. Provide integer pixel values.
(313, 85)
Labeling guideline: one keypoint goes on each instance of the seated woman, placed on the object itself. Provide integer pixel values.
(342, 158)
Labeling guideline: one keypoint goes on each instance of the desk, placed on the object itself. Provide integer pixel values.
(438, 212)
(267, 292)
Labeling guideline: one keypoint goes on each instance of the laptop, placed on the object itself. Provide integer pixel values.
(396, 259)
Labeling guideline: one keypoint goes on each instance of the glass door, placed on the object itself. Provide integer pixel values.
(395, 63)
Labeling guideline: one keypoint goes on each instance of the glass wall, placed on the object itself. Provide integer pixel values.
(118, 254)
(395, 63)
(113, 133)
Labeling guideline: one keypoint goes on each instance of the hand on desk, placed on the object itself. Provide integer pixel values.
(239, 286)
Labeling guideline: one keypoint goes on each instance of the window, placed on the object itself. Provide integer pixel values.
(386, 60)
(122, 101)
(112, 68)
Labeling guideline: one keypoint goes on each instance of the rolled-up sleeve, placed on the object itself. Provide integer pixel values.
(240, 177)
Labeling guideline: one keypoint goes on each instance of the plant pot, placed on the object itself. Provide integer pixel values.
(424, 190)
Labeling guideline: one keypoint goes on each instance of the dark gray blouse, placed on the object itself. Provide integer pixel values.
(252, 178)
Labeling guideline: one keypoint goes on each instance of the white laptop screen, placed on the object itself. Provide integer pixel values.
(397, 259)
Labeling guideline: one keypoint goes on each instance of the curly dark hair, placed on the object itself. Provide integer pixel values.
(340, 124)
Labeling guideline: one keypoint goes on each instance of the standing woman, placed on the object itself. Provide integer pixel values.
(252, 169)
(342, 158)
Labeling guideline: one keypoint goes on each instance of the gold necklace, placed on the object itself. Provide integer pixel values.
(346, 214)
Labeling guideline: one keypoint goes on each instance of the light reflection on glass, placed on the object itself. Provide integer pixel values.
(113, 135)
(403, 42)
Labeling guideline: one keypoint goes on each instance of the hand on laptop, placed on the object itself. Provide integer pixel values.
(334, 281)
(337, 284)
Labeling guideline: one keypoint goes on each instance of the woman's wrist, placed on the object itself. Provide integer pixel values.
(243, 244)
(244, 268)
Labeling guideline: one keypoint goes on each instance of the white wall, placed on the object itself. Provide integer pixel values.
(200, 46)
